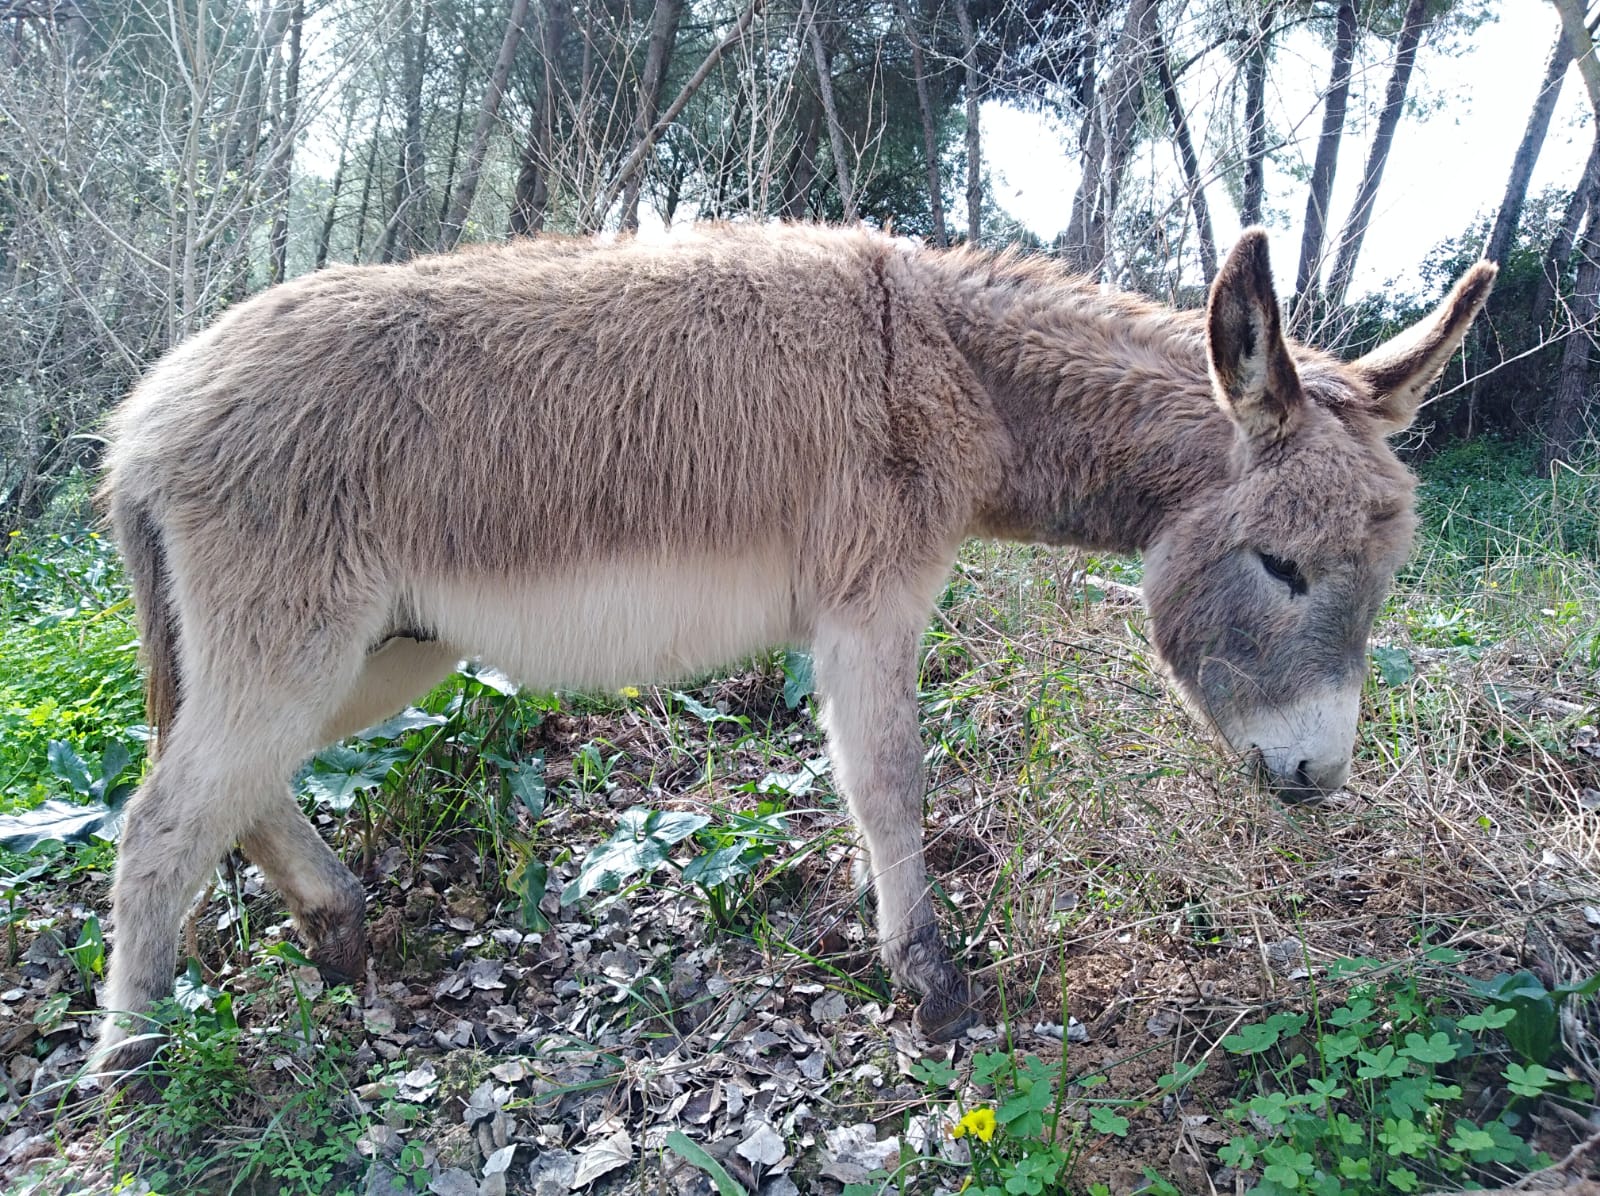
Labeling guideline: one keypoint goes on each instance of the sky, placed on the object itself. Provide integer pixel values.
(1447, 166)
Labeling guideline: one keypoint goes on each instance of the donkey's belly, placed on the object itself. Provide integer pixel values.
(619, 623)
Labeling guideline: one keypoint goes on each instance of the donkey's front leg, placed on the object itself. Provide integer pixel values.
(867, 674)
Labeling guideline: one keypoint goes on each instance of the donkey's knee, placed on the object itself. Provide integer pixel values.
(401, 671)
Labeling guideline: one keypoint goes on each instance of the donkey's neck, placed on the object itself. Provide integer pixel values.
(1106, 400)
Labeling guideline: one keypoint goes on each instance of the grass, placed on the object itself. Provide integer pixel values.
(1239, 988)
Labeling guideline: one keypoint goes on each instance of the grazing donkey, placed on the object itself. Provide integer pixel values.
(599, 464)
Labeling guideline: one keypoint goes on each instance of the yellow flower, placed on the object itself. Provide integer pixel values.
(628, 691)
(979, 1123)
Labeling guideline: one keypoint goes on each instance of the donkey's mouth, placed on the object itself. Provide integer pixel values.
(1296, 789)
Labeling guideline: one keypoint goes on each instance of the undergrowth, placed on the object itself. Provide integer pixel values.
(1076, 818)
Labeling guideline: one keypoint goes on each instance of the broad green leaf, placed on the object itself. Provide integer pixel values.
(798, 678)
(525, 782)
(58, 821)
(642, 843)
(69, 766)
(529, 882)
(716, 868)
(1394, 665)
(704, 713)
(408, 720)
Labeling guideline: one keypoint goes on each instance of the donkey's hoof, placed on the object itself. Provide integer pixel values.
(945, 1016)
(122, 1066)
(338, 947)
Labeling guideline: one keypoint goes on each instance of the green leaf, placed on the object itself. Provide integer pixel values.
(58, 821)
(1527, 1081)
(525, 782)
(679, 1143)
(1436, 1048)
(798, 678)
(1401, 1136)
(1380, 1064)
(1492, 1018)
(643, 841)
(1394, 665)
(529, 881)
(795, 784)
(69, 766)
(408, 720)
(1252, 1040)
(704, 713)
(1468, 1137)
(1108, 1121)
(339, 773)
(1404, 1179)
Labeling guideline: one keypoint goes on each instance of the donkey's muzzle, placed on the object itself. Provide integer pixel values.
(1308, 783)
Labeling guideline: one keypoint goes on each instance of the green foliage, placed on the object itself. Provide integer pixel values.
(307, 1143)
(68, 674)
(1367, 1096)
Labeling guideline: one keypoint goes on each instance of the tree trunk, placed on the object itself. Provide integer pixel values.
(450, 231)
(1558, 254)
(532, 198)
(801, 176)
(930, 136)
(1581, 44)
(374, 140)
(836, 140)
(1394, 100)
(325, 237)
(635, 159)
(1255, 119)
(1191, 161)
(283, 156)
(1116, 112)
(405, 234)
(1533, 135)
(463, 77)
(1311, 241)
(1568, 416)
(663, 36)
(969, 56)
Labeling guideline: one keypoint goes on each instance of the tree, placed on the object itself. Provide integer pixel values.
(1327, 160)
(663, 33)
(450, 231)
(1108, 139)
(1527, 155)
(969, 62)
(1355, 227)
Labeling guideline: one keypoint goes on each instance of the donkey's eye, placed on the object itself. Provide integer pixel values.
(1285, 571)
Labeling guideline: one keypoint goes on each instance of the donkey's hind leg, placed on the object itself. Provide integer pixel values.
(221, 767)
(867, 674)
(326, 900)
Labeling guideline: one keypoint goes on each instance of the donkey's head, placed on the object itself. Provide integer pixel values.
(1263, 593)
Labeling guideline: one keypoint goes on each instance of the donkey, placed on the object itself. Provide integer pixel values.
(605, 464)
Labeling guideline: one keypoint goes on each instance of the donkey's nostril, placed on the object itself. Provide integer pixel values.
(1302, 774)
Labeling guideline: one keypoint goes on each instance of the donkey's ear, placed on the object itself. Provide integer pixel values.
(1401, 371)
(1254, 374)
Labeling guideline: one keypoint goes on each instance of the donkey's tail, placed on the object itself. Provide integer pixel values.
(144, 554)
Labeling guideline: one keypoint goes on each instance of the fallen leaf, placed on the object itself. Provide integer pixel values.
(602, 1157)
